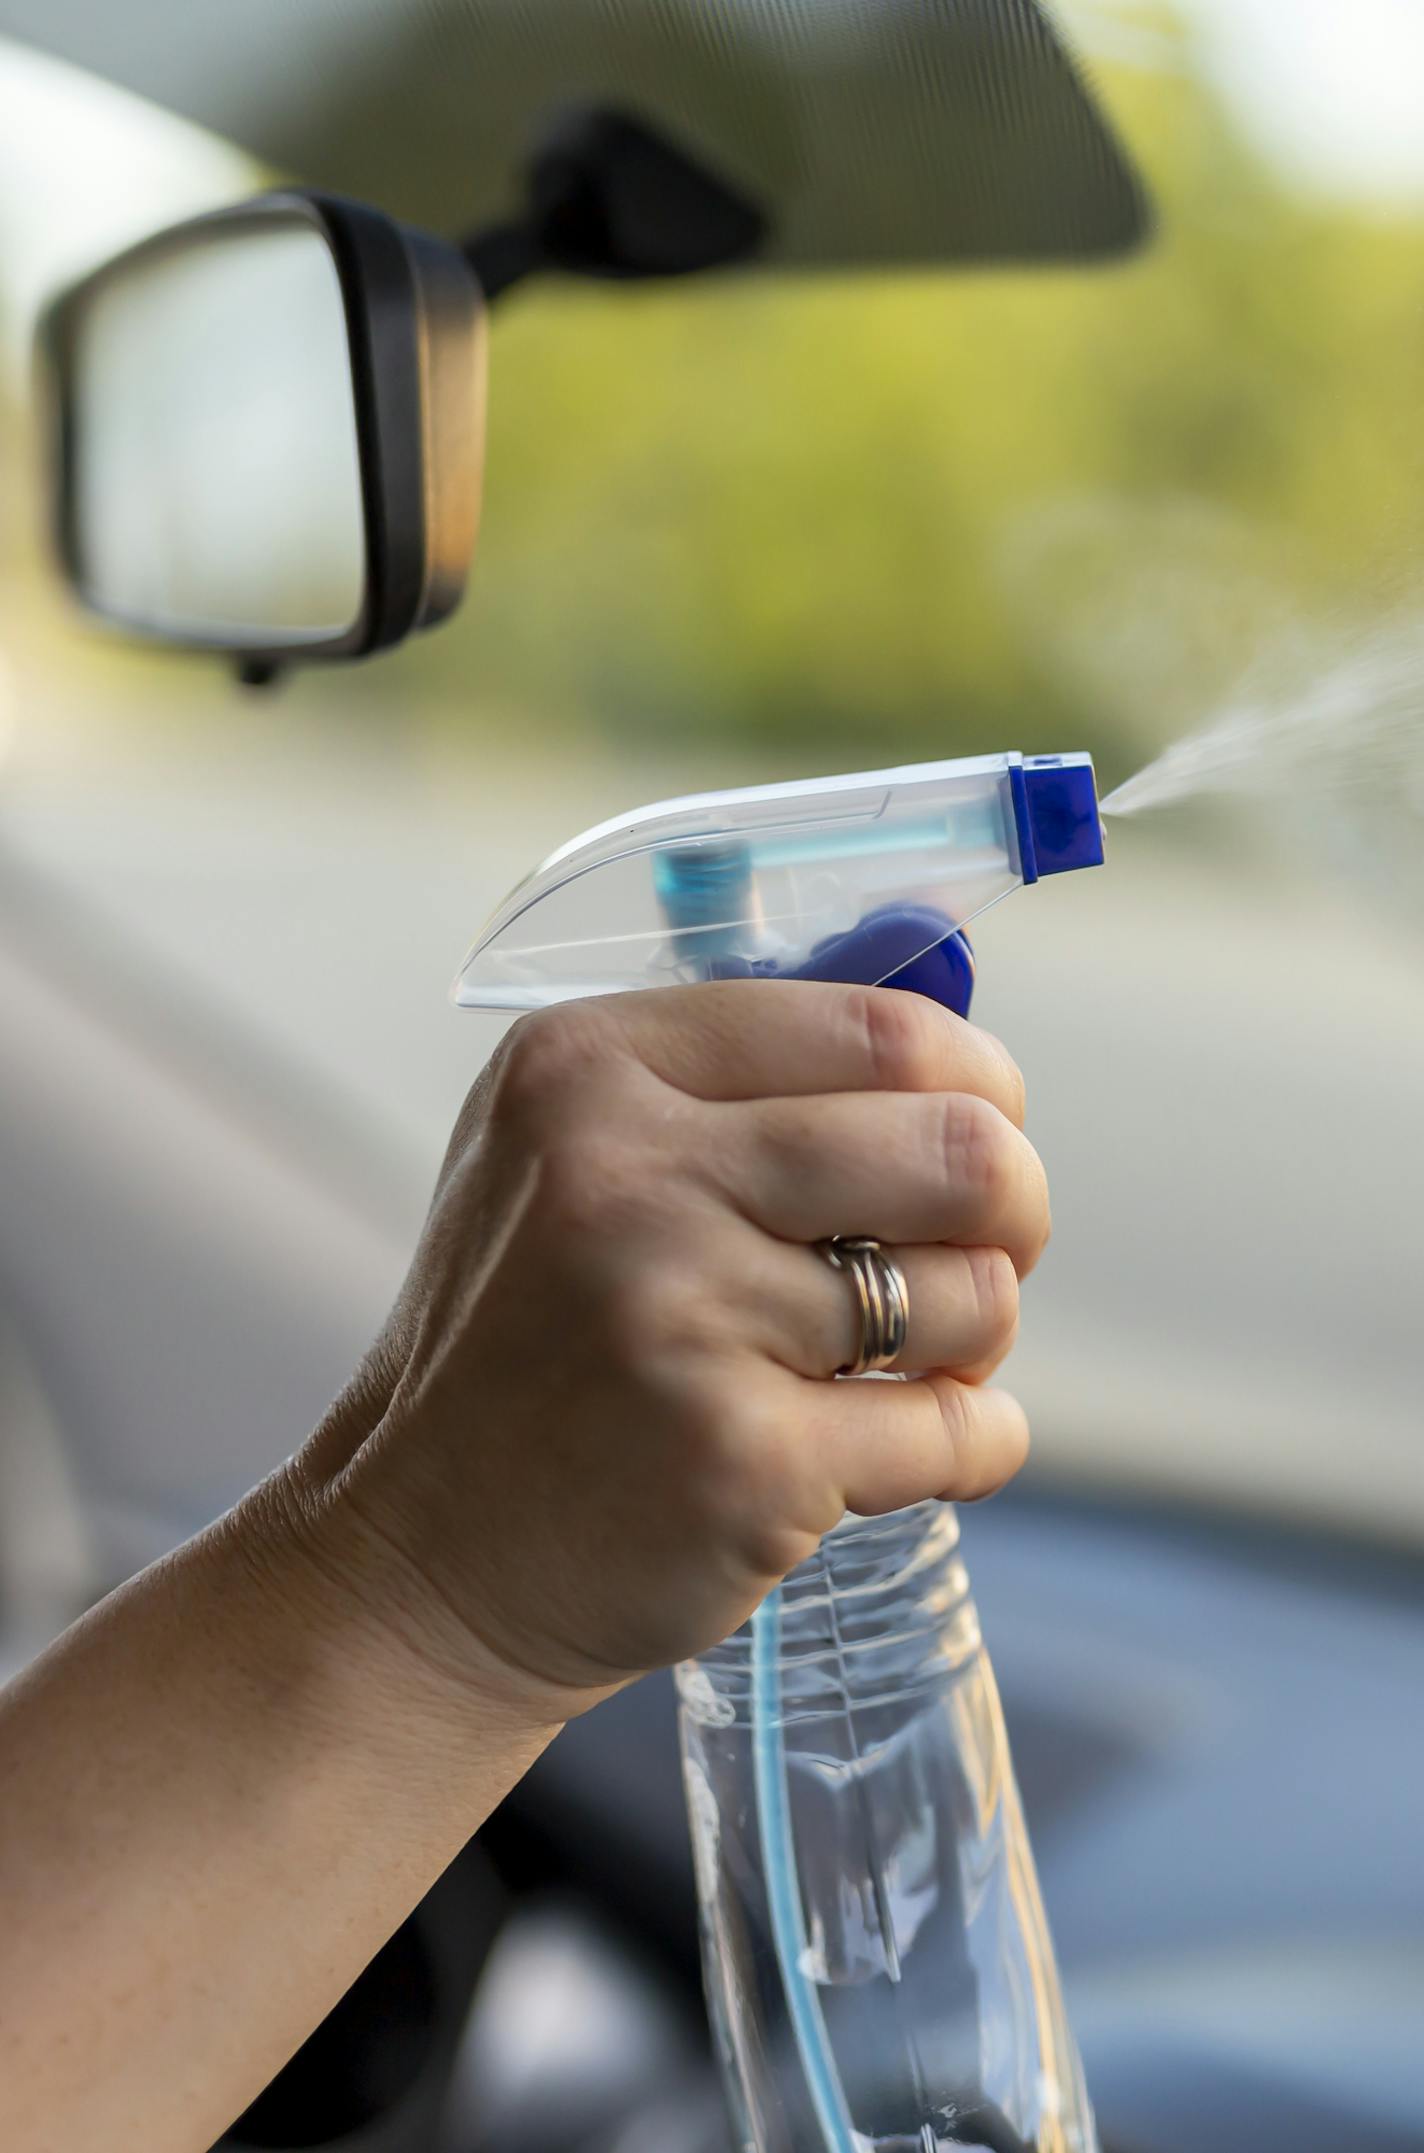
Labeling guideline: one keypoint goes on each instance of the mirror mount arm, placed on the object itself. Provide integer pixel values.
(610, 197)
(503, 255)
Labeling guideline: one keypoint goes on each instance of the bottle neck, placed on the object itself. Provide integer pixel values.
(881, 1610)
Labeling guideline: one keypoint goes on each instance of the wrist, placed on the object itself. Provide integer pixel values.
(376, 1659)
(357, 1558)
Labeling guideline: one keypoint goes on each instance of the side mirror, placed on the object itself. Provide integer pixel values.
(269, 429)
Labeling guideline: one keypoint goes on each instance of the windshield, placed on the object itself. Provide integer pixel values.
(776, 527)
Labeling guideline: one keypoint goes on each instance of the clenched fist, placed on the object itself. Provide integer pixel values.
(602, 1422)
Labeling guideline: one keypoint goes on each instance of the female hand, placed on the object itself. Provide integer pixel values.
(599, 1425)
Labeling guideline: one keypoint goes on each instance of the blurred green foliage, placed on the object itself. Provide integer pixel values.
(917, 515)
(944, 511)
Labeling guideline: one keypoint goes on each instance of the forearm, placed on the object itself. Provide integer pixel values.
(219, 1794)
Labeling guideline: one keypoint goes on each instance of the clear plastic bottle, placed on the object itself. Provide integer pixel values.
(878, 1966)
(877, 1961)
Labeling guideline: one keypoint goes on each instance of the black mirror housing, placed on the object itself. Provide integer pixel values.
(412, 328)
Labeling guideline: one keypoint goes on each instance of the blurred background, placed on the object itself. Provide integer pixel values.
(773, 526)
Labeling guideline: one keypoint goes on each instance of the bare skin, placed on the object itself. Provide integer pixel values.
(597, 1428)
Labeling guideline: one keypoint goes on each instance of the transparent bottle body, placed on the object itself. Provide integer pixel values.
(873, 1811)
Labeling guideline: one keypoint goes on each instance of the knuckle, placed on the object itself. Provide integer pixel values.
(1035, 1209)
(996, 1293)
(982, 1155)
(548, 1055)
(954, 1414)
(1006, 1454)
(1015, 1090)
(1044, 1232)
(987, 1436)
(903, 1039)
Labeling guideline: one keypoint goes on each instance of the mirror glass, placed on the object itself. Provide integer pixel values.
(215, 477)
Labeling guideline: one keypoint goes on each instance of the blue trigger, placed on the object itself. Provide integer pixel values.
(888, 947)
(944, 973)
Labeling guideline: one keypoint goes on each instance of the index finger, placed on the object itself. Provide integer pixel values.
(786, 1038)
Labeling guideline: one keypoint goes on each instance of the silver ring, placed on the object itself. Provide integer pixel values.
(882, 1298)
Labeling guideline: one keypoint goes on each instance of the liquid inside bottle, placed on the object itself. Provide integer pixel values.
(879, 1971)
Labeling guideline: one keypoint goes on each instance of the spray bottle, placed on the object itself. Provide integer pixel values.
(878, 1968)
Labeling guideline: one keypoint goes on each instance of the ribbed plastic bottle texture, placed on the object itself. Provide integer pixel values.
(878, 1965)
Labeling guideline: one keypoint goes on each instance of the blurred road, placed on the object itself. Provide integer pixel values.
(1225, 1062)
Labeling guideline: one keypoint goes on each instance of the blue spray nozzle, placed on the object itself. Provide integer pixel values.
(1056, 810)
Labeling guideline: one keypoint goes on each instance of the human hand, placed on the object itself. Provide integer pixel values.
(599, 1427)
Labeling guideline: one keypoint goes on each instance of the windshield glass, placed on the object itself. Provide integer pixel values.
(778, 526)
